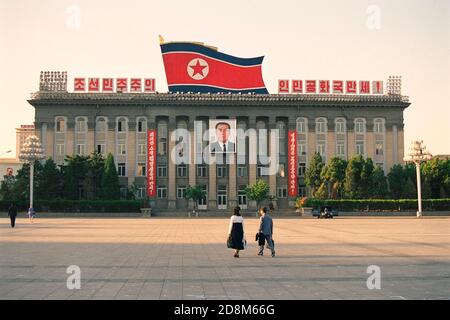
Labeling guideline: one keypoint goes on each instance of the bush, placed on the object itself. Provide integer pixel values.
(78, 205)
(381, 205)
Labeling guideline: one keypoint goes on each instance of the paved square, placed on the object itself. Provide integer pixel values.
(160, 258)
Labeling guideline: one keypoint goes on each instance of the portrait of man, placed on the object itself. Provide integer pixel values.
(222, 136)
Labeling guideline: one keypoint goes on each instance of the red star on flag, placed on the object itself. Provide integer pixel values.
(198, 69)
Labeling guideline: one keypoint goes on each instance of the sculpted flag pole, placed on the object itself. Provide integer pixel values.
(195, 67)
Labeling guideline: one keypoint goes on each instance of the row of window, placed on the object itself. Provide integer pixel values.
(340, 125)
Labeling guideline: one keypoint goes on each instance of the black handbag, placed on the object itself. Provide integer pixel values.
(230, 242)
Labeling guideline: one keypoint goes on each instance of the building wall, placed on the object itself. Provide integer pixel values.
(248, 112)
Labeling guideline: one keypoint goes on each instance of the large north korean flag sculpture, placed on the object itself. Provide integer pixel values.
(194, 67)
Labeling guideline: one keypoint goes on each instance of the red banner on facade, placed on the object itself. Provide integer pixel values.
(292, 163)
(151, 163)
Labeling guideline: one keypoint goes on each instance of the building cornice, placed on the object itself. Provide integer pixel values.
(158, 99)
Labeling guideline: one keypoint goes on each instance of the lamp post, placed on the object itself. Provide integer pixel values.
(30, 152)
(418, 154)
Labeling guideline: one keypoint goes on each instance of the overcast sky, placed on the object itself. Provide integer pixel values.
(343, 40)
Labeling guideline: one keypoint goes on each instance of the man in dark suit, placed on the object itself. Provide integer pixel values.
(222, 145)
(266, 228)
(12, 213)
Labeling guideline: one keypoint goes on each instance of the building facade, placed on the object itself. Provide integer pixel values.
(117, 123)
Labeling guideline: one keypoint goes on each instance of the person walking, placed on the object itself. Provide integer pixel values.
(31, 214)
(266, 229)
(236, 232)
(12, 213)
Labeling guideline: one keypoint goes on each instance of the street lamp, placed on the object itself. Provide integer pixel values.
(417, 154)
(30, 152)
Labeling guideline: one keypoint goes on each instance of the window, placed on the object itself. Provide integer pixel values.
(162, 138)
(340, 149)
(281, 126)
(100, 125)
(121, 170)
(260, 170)
(60, 149)
(141, 125)
(60, 125)
(182, 170)
(221, 171)
(360, 148)
(142, 149)
(202, 201)
(301, 169)
(378, 125)
(121, 125)
(281, 170)
(340, 126)
(360, 126)
(140, 192)
(201, 171)
(122, 149)
(242, 171)
(379, 148)
(101, 148)
(301, 148)
(181, 192)
(80, 125)
(242, 196)
(162, 171)
(282, 192)
(321, 125)
(80, 149)
(141, 170)
(161, 192)
(302, 191)
(301, 125)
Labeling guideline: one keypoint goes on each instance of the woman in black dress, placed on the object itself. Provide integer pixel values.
(236, 230)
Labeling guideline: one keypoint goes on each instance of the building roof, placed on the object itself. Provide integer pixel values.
(70, 98)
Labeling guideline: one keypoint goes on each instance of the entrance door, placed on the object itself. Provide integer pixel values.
(242, 198)
(222, 197)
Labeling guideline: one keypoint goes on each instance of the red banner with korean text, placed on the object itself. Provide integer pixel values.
(151, 163)
(292, 163)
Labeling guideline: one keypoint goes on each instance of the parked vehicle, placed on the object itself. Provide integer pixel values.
(324, 212)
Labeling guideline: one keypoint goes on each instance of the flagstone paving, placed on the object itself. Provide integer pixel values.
(160, 258)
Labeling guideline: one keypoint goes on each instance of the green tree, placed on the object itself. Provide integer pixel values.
(379, 187)
(110, 188)
(352, 184)
(409, 191)
(435, 171)
(6, 188)
(366, 183)
(322, 192)
(93, 181)
(50, 182)
(74, 172)
(313, 173)
(258, 191)
(334, 174)
(396, 180)
(426, 189)
(195, 193)
(21, 188)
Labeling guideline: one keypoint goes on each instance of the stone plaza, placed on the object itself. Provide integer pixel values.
(163, 258)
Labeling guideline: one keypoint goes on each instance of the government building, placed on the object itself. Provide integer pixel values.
(79, 123)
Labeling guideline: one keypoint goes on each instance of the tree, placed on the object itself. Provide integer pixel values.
(74, 172)
(6, 188)
(322, 192)
(21, 188)
(409, 191)
(396, 179)
(50, 182)
(312, 174)
(334, 173)
(366, 184)
(436, 171)
(258, 191)
(426, 189)
(110, 188)
(379, 187)
(92, 184)
(352, 184)
(195, 193)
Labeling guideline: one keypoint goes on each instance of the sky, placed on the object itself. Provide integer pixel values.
(342, 40)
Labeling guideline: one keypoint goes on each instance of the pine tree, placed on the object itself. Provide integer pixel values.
(426, 189)
(379, 187)
(110, 188)
(352, 184)
(322, 192)
(50, 182)
(396, 179)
